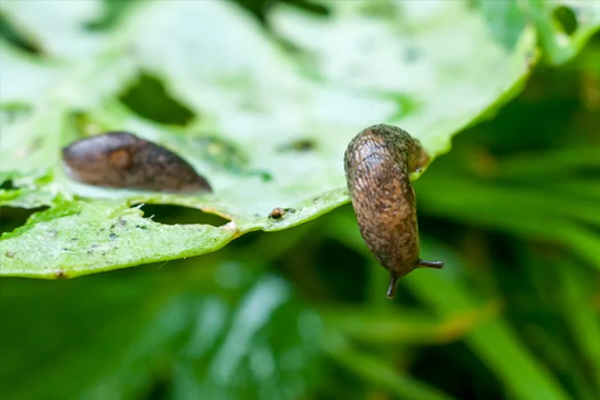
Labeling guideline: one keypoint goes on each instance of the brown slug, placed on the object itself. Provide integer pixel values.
(378, 163)
(122, 160)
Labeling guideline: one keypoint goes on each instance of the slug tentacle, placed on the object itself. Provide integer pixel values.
(378, 163)
(430, 264)
(391, 292)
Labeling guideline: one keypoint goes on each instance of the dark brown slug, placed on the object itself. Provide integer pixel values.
(122, 160)
(378, 163)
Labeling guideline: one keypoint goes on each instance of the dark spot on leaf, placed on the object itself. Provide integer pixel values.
(148, 97)
(12, 113)
(112, 236)
(60, 274)
(141, 227)
(85, 124)
(122, 222)
(411, 54)
(8, 185)
(219, 151)
(566, 18)
(90, 252)
(261, 8)
(112, 11)
(178, 215)
(377, 9)
(406, 104)
(12, 217)
(299, 145)
(9, 254)
(222, 153)
(10, 33)
(113, 226)
(265, 176)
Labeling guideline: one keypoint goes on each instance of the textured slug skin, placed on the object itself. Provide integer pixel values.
(378, 163)
(122, 160)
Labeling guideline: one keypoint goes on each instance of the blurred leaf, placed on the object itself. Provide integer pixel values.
(405, 325)
(445, 292)
(512, 363)
(249, 110)
(120, 335)
(576, 292)
(539, 215)
(382, 375)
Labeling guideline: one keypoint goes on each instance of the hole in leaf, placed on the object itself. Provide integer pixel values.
(12, 217)
(8, 185)
(223, 153)
(9, 32)
(219, 151)
(179, 215)
(149, 98)
(566, 17)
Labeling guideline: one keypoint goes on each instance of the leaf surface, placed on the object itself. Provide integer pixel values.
(270, 119)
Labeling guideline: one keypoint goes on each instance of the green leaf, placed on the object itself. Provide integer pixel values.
(552, 19)
(446, 292)
(255, 105)
(382, 375)
(404, 326)
(121, 335)
(509, 359)
(78, 238)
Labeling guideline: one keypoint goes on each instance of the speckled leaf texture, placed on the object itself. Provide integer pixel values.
(272, 109)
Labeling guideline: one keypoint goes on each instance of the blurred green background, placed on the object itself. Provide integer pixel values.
(513, 210)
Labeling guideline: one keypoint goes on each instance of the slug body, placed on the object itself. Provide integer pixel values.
(122, 160)
(378, 163)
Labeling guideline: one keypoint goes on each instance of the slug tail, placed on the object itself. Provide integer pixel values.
(430, 264)
(391, 292)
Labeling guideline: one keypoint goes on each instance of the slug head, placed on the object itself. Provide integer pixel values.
(418, 158)
(91, 160)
